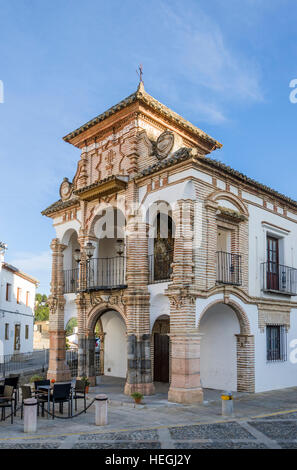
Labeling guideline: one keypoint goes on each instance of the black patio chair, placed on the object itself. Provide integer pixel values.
(13, 382)
(39, 395)
(6, 401)
(61, 394)
(79, 392)
(39, 383)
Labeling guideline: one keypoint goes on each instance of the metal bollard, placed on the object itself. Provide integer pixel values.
(30, 415)
(227, 404)
(101, 410)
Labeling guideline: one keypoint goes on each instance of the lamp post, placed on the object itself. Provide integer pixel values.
(120, 247)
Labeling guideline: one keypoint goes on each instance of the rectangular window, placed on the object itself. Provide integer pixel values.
(27, 298)
(39, 328)
(6, 330)
(19, 292)
(8, 292)
(27, 332)
(276, 337)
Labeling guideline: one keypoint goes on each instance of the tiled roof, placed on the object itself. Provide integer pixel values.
(17, 271)
(142, 96)
(58, 205)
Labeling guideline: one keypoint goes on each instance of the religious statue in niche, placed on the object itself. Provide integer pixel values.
(163, 248)
(164, 144)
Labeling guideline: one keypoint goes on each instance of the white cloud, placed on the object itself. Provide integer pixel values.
(196, 53)
(32, 262)
(207, 58)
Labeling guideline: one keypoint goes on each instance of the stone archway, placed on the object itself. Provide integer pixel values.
(111, 359)
(227, 347)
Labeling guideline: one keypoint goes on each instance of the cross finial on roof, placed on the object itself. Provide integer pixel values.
(140, 73)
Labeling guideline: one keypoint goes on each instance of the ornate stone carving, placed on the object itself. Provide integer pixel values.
(164, 144)
(66, 189)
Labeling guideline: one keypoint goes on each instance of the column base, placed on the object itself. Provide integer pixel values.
(185, 395)
(144, 388)
(61, 375)
(92, 381)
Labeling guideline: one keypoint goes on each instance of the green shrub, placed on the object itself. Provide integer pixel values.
(36, 377)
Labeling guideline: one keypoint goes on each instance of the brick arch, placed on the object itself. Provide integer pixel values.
(216, 195)
(98, 311)
(242, 317)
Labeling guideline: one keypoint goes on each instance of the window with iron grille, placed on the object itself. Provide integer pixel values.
(276, 336)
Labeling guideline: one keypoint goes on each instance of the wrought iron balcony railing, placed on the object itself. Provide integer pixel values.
(71, 277)
(279, 278)
(229, 268)
(160, 267)
(106, 273)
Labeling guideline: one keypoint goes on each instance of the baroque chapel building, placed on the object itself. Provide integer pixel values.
(180, 268)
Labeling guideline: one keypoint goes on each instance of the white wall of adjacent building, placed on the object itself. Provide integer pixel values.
(16, 313)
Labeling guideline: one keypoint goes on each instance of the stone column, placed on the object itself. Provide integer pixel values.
(245, 363)
(81, 312)
(139, 373)
(58, 368)
(185, 386)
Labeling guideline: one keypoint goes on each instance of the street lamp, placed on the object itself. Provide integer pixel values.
(89, 250)
(120, 247)
(77, 255)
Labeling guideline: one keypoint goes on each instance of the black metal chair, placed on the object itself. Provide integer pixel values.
(39, 383)
(79, 393)
(39, 395)
(13, 382)
(61, 394)
(6, 401)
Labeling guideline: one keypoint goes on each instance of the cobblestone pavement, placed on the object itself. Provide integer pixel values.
(260, 421)
(268, 432)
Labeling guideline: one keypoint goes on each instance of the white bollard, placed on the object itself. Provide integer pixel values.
(101, 410)
(227, 404)
(30, 415)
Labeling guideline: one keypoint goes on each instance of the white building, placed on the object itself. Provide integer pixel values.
(17, 301)
(213, 305)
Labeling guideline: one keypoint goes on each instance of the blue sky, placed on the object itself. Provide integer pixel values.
(224, 65)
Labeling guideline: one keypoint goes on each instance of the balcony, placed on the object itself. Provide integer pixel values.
(106, 273)
(160, 267)
(102, 274)
(71, 277)
(228, 268)
(279, 278)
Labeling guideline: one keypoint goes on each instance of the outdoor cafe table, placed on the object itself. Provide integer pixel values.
(49, 389)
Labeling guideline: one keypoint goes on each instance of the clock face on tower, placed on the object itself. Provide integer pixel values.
(65, 189)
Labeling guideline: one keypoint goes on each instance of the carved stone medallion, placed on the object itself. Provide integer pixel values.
(164, 144)
(65, 189)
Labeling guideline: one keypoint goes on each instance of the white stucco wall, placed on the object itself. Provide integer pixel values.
(15, 313)
(115, 344)
(159, 303)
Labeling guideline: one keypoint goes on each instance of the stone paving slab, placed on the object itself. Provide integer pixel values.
(266, 420)
(284, 429)
(211, 431)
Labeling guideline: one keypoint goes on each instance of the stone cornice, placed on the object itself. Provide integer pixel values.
(105, 187)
